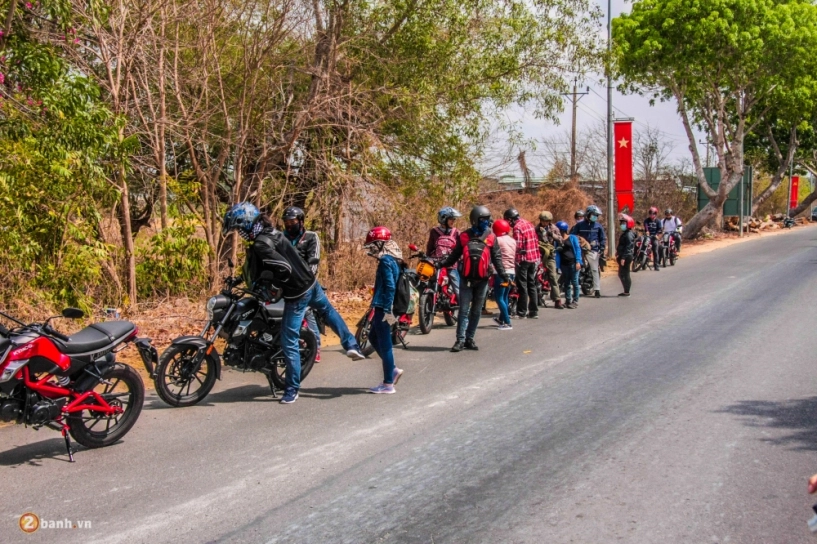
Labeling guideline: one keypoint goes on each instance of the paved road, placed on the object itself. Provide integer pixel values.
(687, 413)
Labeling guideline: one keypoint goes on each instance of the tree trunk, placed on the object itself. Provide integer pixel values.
(127, 238)
(712, 212)
(805, 205)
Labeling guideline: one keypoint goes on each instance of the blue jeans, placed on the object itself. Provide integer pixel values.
(572, 282)
(502, 294)
(294, 311)
(472, 297)
(312, 322)
(380, 337)
(454, 280)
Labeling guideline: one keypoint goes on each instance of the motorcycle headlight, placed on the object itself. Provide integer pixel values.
(211, 305)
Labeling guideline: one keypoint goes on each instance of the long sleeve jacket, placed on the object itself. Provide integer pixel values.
(385, 283)
(271, 251)
(454, 256)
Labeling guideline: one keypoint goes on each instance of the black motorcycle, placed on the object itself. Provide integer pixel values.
(188, 369)
(643, 253)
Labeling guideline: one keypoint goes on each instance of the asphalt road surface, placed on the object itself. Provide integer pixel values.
(686, 413)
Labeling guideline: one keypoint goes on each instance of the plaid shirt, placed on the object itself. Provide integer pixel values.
(527, 243)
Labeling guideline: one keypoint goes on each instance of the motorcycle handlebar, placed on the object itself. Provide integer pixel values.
(51, 332)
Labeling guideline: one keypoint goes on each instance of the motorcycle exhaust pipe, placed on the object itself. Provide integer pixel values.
(149, 355)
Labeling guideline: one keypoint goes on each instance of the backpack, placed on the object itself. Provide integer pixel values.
(404, 299)
(476, 255)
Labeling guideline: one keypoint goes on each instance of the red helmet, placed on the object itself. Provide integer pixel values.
(501, 227)
(623, 217)
(653, 210)
(378, 234)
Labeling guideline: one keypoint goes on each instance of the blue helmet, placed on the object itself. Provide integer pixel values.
(447, 213)
(241, 217)
(562, 226)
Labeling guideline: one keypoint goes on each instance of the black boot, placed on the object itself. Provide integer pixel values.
(598, 294)
(469, 344)
(457, 347)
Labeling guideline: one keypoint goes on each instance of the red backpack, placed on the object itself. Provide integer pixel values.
(476, 255)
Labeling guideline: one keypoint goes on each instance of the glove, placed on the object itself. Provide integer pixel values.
(390, 319)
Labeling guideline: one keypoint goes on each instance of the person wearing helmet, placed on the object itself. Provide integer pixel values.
(442, 239)
(625, 251)
(578, 216)
(652, 226)
(502, 290)
(591, 229)
(308, 245)
(475, 251)
(527, 257)
(270, 251)
(550, 240)
(571, 262)
(380, 246)
(672, 225)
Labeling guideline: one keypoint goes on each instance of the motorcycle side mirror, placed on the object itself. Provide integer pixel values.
(73, 313)
(413, 247)
(230, 263)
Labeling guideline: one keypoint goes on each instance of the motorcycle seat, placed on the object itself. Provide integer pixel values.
(275, 309)
(97, 336)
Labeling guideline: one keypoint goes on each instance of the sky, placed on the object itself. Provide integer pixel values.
(593, 110)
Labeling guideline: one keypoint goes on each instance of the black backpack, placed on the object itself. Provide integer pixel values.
(402, 295)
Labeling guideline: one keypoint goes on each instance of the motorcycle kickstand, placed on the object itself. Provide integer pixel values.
(402, 341)
(68, 445)
(272, 386)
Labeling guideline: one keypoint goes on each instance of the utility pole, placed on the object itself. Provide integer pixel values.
(706, 143)
(576, 96)
(611, 195)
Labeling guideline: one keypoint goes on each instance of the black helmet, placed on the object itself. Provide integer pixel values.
(511, 214)
(477, 213)
(293, 212)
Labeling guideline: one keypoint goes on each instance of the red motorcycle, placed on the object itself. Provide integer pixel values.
(436, 292)
(72, 384)
(542, 285)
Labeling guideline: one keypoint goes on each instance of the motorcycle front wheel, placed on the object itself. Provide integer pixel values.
(362, 334)
(426, 312)
(308, 348)
(122, 388)
(177, 380)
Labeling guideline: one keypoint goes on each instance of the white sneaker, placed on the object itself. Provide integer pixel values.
(383, 389)
(505, 328)
(355, 355)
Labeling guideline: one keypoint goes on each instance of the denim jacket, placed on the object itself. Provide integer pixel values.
(385, 283)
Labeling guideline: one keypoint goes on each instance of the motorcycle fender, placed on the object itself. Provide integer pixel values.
(203, 345)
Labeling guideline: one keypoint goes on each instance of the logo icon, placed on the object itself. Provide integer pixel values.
(29, 522)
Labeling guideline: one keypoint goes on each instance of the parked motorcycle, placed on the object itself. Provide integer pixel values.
(72, 384)
(436, 292)
(250, 323)
(669, 251)
(643, 253)
(542, 285)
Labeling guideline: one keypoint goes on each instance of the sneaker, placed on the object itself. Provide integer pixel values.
(469, 344)
(458, 347)
(498, 322)
(355, 355)
(318, 356)
(571, 306)
(395, 376)
(559, 305)
(598, 294)
(290, 396)
(504, 327)
(624, 294)
(657, 269)
(383, 389)
(519, 317)
(534, 316)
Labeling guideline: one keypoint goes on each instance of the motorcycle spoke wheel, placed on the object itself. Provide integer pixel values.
(178, 381)
(426, 313)
(124, 390)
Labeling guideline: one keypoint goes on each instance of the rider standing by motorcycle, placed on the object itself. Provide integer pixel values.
(592, 231)
(652, 227)
(441, 242)
(550, 239)
(269, 250)
(527, 255)
(672, 225)
(309, 247)
(380, 246)
(625, 251)
(571, 264)
(478, 248)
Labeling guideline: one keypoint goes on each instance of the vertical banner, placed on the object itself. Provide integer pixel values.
(623, 145)
(795, 188)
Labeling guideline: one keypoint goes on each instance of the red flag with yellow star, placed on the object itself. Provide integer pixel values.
(623, 144)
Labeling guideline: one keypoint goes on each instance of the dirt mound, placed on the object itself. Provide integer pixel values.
(562, 202)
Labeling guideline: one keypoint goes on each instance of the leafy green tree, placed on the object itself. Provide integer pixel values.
(725, 62)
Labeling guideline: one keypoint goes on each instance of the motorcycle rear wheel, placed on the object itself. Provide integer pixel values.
(173, 372)
(308, 347)
(126, 390)
(426, 312)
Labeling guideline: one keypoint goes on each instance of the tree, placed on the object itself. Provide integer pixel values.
(723, 62)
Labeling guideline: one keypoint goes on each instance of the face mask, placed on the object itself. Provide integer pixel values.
(623, 226)
(293, 230)
(483, 225)
(593, 218)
